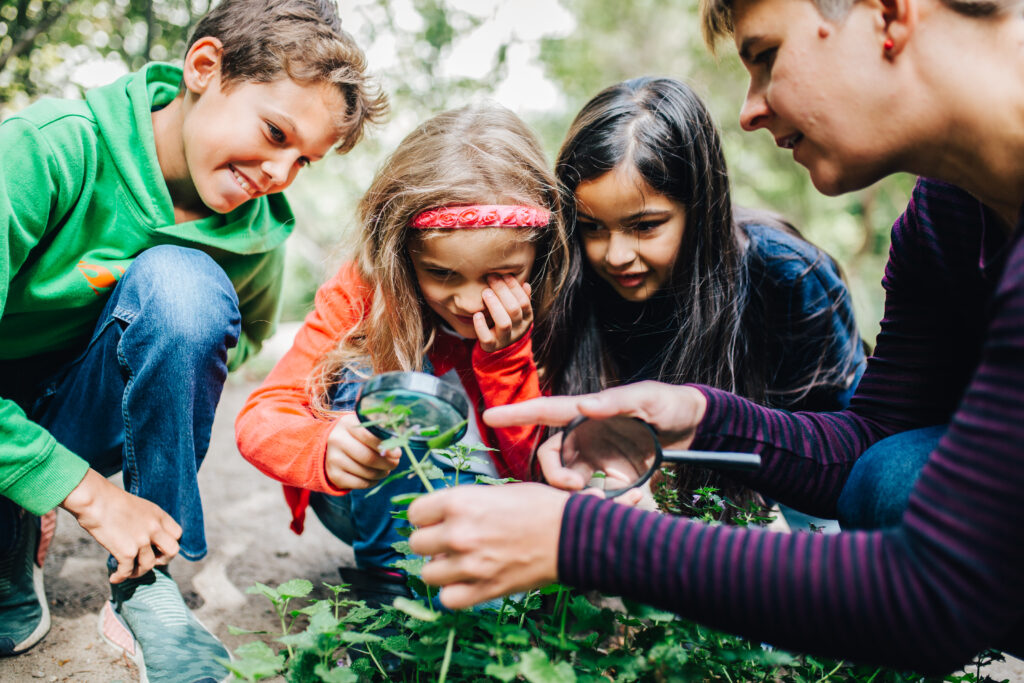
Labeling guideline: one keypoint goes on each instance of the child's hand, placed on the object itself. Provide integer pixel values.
(136, 532)
(508, 303)
(354, 460)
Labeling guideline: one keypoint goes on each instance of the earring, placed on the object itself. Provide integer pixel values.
(888, 44)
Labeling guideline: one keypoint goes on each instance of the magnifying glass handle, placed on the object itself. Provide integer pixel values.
(715, 460)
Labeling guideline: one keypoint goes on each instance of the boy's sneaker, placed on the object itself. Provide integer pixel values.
(24, 615)
(148, 619)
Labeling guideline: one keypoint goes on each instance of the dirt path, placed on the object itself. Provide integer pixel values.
(249, 539)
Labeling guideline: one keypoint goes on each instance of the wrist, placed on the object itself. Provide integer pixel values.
(84, 495)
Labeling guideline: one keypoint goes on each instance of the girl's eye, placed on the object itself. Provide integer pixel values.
(276, 134)
(439, 273)
(646, 226)
(587, 226)
(303, 162)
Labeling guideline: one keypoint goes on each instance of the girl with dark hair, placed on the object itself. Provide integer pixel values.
(669, 282)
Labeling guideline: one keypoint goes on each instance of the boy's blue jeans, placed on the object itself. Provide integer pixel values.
(878, 489)
(361, 519)
(140, 397)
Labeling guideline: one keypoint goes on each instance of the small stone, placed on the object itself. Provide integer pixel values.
(38, 674)
(53, 679)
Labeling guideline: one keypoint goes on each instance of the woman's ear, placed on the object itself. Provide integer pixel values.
(898, 21)
(202, 64)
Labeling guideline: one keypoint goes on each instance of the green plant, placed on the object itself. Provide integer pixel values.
(552, 635)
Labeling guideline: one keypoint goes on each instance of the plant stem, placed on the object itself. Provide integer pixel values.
(447, 655)
(417, 467)
(369, 651)
(565, 611)
(829, 674)
(282, 611)
(526, 601)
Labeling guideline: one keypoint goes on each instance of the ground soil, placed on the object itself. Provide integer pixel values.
(249, 540)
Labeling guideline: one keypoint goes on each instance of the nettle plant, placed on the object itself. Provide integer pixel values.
(551, 635)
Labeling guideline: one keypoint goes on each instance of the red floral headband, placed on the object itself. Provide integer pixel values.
(482, 216)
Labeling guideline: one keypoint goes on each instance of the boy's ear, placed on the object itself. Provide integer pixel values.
(898, 19)
(202, 64)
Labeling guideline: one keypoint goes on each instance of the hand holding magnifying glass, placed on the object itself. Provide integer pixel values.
(620, 453)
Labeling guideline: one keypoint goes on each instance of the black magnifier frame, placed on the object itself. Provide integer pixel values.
(416, 389)
(710, 459)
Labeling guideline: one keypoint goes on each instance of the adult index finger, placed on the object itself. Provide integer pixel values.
(548, 410)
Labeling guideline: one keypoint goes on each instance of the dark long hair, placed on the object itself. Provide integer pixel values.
(661, 128)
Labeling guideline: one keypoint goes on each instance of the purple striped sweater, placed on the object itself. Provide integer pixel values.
(926, 595)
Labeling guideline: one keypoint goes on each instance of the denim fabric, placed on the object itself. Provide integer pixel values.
(141, 396)
(878, 489)
(361, 518)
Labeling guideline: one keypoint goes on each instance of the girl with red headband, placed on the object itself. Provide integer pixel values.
(461, 248)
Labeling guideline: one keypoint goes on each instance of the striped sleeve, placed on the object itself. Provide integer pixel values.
(927, 594)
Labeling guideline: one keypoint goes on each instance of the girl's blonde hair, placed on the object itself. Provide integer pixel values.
(478, 154)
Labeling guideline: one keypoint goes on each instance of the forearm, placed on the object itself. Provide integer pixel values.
(806, 457)
(883, 598)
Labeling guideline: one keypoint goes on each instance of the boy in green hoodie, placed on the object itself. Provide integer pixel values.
(141, 249)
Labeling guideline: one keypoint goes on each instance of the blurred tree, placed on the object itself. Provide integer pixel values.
(55, 47)
(51, 47)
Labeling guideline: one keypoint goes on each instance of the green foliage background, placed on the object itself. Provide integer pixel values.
(47, 45)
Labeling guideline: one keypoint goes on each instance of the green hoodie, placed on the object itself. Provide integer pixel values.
(81, 195)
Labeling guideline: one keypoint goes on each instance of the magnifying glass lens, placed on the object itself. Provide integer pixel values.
(612, 454)
(428, 410)
(424, 412)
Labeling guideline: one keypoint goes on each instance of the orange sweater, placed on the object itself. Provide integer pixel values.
(278, 433)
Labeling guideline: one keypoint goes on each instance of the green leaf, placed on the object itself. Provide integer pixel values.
(537, 668)
(356, 637)
(296, 588)
(336, 674)
(305, 640)
(416, 610)
(255, 661)
(431, 471)
(323, 622)
(402, 547)
(502, 673)
(396, 644)
(412, 565)
(235, 631)
(443, 440)
(405, 498)
(264, 590)
(491, 481)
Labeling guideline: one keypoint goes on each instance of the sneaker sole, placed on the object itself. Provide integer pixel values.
(117, 635)
(44, 624)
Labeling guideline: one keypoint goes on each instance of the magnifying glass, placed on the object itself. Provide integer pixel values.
(428, 411)
(619, 453)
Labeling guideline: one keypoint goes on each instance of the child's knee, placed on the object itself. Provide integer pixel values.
(187, 295)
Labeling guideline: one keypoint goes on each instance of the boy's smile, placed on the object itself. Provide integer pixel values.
(218, 148)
